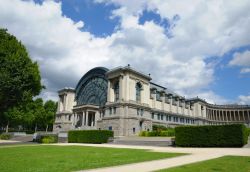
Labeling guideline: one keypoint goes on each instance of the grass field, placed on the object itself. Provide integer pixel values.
(70, 158)
(223, 164)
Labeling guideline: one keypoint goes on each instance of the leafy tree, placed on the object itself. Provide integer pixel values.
(39, 113)
(50, 110)
(14, 114)
(19, 77)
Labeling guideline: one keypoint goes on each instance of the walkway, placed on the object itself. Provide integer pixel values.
(196, 155)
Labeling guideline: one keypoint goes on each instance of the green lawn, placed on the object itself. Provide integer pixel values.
(70, 158)
(223, 164)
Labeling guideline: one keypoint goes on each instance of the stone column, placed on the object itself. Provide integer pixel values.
(207, 114)
(238, 115)
(217, 115)
(82, 118)
(94, 116)
(64, 102)
(74, 120)
(120, 88)
(214, 117)
(243, 115)
(92, 120)
(212, 114)
(162, 100)
(108, 92)
(154, 97)
(87, 118)
(170, 102)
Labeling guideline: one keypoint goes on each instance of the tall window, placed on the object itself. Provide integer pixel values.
(138, 88)
(116, 91)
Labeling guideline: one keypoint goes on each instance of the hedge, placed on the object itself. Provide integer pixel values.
(89, 136)
(234, 135)
(248, 131)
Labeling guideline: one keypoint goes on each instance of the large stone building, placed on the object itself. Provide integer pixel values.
(125, 101)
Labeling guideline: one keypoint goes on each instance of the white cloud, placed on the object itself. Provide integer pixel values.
(245, 70)
(241, 59)
(65, 53)
(244, 100)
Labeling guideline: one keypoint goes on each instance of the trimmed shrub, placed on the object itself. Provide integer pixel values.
(46, 138)
(5, 136)
(234, 135)
(89, 136)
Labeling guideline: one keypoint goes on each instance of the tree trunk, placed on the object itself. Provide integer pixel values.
(46, 128)
(35, 127)
(7, 127)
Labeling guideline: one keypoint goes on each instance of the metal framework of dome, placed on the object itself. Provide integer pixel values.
(92, 88)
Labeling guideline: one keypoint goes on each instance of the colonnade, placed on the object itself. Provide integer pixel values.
(85, 118)
(228, 115)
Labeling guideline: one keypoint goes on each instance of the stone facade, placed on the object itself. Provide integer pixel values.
(125, 101)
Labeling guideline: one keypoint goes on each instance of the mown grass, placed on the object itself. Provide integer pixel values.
(223, 164)
(70, 158)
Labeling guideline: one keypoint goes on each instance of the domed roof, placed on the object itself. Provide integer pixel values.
(92, 87)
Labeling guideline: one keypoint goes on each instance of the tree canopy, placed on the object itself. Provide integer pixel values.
(20, 78)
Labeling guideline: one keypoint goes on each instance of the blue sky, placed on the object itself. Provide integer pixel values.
(201, 49)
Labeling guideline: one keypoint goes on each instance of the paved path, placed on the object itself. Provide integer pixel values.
(17, 140)
(143, 141)
(196, 155)
(8, 141)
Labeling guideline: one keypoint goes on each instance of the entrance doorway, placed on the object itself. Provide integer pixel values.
(91, 119)
(141, 122)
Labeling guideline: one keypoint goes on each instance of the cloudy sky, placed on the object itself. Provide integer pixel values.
(194, 47)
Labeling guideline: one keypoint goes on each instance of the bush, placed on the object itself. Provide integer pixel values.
(89, 136)
(158, 127)
(142, 133)
(46, 138)
(168, 133)
(49, 139)
(211, 136)
(152, 133)
(5, 136)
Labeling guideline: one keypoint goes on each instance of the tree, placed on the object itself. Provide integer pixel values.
(50, 110)
(20, 78)
(39, 113)
(15, 115)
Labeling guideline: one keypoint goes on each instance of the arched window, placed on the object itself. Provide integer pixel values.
(116, 91)
(138, 88)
